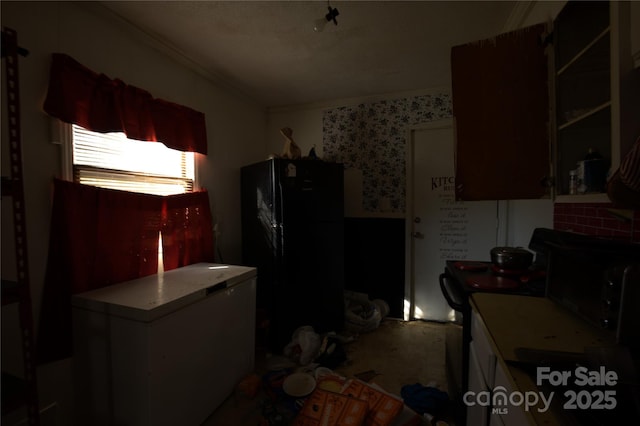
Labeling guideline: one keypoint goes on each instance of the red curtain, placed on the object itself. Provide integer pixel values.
(80, 96)
(187, 235)
(101, 237)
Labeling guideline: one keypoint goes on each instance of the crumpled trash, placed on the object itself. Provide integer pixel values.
(250, 385)
(424, 399)
(304, 345)
(331, 353)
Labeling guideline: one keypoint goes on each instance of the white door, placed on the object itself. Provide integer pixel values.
(438, 227)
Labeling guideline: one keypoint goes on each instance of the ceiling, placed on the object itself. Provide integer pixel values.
(269, 51)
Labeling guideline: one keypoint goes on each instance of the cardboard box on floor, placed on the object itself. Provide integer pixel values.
(383, 408)
(358, 404)
(324, 407)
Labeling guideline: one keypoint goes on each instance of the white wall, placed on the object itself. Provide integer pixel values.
(94, 37)
(306, 124)
(523, 216)
(543, 11)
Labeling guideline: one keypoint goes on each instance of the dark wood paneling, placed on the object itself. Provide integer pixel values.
(374, 260)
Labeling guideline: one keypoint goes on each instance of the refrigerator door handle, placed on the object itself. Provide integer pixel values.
(281, 245)
(279, 225)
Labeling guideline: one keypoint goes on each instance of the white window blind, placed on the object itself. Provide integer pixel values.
(110, 160)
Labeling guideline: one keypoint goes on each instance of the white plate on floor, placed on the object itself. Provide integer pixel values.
(299, 384)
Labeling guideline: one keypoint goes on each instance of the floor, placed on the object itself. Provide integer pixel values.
(395, 354)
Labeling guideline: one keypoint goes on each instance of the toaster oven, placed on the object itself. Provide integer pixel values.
(600, 282)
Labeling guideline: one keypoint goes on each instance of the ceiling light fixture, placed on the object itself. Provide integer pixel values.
(319, 24)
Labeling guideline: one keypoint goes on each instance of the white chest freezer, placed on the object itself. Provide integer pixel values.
(165, 349)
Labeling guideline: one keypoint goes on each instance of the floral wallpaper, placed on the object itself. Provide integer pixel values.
(371, 137)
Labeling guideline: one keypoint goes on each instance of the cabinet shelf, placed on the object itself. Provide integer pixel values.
(586, 96)
(583, 51)
(584, 115)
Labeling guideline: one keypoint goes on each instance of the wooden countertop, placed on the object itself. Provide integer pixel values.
(537, 323)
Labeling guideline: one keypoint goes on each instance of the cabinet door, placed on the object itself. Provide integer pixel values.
(501, 108)
(477, 405)
(510, 415)
(485, 356)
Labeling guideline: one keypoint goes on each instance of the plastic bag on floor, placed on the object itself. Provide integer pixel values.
(361, 314)
(304, 345)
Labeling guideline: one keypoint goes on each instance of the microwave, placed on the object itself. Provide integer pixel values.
(599, 280)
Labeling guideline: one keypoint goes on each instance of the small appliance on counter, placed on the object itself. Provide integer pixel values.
(598, 280)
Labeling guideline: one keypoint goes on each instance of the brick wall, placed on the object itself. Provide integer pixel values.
(599, 219)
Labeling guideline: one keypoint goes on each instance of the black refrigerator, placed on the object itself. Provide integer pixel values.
(293, 233)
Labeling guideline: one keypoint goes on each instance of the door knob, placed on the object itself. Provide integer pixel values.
(419, 235)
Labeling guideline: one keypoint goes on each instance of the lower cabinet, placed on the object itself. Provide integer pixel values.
(510, 415)
(487, 398)
(496, 420)
(478, 392)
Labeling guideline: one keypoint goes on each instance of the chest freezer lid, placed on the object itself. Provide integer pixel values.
(148, 298)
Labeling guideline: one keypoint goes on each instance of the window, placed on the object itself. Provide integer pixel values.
(110, 160)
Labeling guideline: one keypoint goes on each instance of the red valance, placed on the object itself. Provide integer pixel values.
(80, 96)
(101, 237)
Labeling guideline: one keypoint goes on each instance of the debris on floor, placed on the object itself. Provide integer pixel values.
(425, 400)
(250, 385)
(325, 408)
(313, 383)
(383, 407)
(363, 315)
(332, 353)
(304, 345)
(307, 347)
(367, 376)
(317, 395)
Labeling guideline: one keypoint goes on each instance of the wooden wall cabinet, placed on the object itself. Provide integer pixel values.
(575, 88)
(501, 110)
